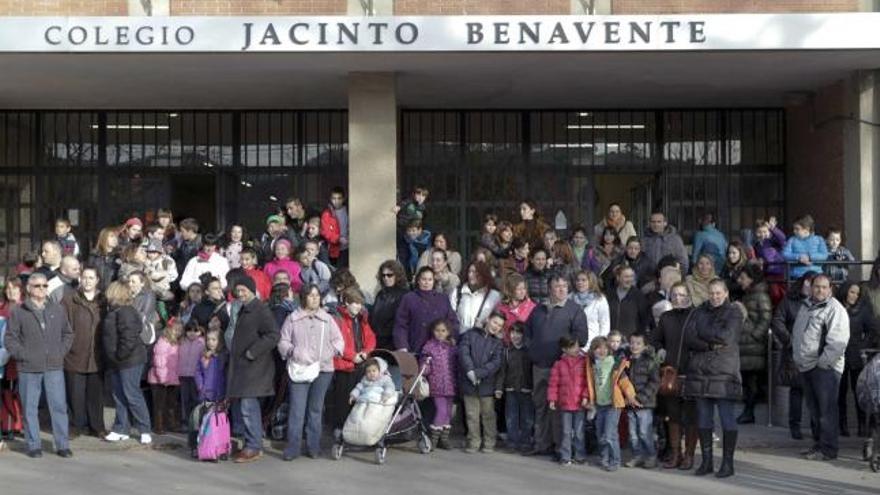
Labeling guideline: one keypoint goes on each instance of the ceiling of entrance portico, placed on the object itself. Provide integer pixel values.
(430, 80)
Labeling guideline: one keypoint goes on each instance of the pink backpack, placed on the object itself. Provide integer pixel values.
(214, 442)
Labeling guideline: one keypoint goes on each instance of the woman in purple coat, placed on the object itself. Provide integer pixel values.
(418, 310)
(440, 361)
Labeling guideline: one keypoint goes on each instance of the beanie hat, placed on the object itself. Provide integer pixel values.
(246, 281)
(274, 219)
(134, 221)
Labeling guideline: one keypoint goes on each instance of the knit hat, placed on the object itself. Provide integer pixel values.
(285, 242)
(247, 281)
(134, 221)
(274, 219)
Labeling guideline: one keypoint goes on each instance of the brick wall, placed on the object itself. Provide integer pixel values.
(486, 7)
(258, 7)
(815, 144)
(730, 6)
(63, 7)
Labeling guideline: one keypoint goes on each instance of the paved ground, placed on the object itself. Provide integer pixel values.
(767, 463)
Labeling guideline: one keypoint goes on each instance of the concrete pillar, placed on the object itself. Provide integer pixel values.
(372, 172)
(862, 157)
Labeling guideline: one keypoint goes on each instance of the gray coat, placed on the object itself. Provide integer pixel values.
(814, 319)
(656, 246)
(36, 346)
(480, 352)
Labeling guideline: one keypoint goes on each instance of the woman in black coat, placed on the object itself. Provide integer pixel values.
(126, 356)
(864, 333)
(680, 411)
(392, 280)
(713, 376)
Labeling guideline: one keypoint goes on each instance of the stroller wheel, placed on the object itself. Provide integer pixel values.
(381, 452)
(337, 451)
(424, 443)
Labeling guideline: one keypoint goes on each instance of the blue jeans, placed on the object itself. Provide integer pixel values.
(821, 391)
(252, 417)
(306, 402)
(31, 388)
(128, 397)
(706, 414)
(572, 433)
(519, 417)
(607, 419)
(641, 433)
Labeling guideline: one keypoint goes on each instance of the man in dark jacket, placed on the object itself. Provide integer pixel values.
(560, 317)
(633, 257)
(251, 373)
(38, 338)
(627, 305)
(190, 243)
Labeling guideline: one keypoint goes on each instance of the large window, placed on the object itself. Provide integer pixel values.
(573, 163)
(99, 168)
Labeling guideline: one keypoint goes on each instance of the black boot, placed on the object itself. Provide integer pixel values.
(443, 442)
(729, 447)
(706, 466)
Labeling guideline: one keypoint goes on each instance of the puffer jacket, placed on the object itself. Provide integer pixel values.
(165, 363)
(442, 370)
(644, 373)
(770, 252)
(480, 352)
(713, 342)
(753, 339)
(813, 246)
(515, 374)
(567, 386)
(815, 320)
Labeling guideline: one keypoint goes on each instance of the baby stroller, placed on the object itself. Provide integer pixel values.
(377, 425)
(868, 395)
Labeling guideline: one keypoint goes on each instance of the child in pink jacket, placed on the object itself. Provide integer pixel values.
(164, 380)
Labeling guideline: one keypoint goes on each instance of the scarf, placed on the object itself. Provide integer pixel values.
(618, 226)
(584, 299)
(204, 256)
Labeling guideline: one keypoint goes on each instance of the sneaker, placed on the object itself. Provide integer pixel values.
(471, 450)
(810, 451)
(819, 456)
(609, 468)
(146, 439)
(488, 450)
(565, 463)
(634, 462)
(116, 437)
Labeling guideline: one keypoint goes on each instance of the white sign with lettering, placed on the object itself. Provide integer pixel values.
(441, 33)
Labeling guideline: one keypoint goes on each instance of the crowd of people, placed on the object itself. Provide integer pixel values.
(561, 340)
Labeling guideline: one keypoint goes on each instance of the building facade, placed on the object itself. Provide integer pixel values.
(221, 109)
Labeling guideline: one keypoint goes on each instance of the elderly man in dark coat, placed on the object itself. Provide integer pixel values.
(251, 372)
(38, 338)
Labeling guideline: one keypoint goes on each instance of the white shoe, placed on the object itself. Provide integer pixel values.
(146, 439)
(115, 437)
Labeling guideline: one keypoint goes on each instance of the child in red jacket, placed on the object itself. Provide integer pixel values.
(567, 393)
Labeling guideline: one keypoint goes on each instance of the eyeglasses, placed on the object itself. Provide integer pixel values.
(388, 275)
(39, 286)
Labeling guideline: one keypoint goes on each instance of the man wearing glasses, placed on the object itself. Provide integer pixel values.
(38, 337)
